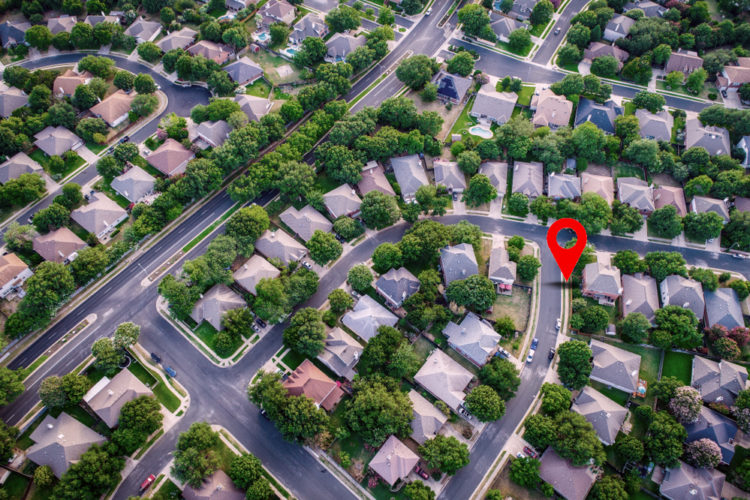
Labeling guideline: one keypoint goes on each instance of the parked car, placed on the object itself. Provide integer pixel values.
(261, 322)
(256, 328)
(156, 357)
(429, 11)
(502, 353)
(723, 93)
(530, 357)
(148, 482)
(170, 371)
(530, 451)
(557, 325)
(422, 473)
(264, 414)
(520, 455)
(307, 264)
(534, 343)
(557, 30)
(551, 354)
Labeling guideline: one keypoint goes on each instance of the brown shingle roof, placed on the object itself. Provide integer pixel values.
(552, 110)
(107, 401)
(218, 53)
(308, 380)
(170, 158)
(67, 82)
(113, 107)
(393, 461)
(10, 267)
(669, 195)
(58, 245)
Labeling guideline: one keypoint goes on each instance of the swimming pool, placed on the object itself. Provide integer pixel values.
(481, 131)
(262, 37)
(291, 52)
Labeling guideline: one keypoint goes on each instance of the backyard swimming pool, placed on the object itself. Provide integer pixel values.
(481, 131)
(261, 37)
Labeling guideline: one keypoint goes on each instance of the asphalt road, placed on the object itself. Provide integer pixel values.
(548, 48)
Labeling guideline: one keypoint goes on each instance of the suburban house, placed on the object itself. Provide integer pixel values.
(601, 115)
(639, 295)
(216, 52)
(427, 420)
(17, 165)
(458, 262)
(244, 71)
(61, 245)
(59, 24)
(686, 481)
(703, 204)
(503, 26)
(744, 145)
(452, 88)
(715, 140)
(636, 193)
(603, 414)
(599, 49)
(171, 158)
(107, 397)
(449, 175)
(94, 20)
(718, 382)
(573, 483)
(551, 110)
(307, 380)
(615, 367)
(367, 316)
(279, 245)
(11, 99)
(101, 216)
(114, 109)
(237, 4)
(305, 222)
(618, 27)
(341, 353)
(649, 8)
(474, 338)
(218, 486)
(742, 204)
(144, 31)
(374, 179)
(209, 134)
(683, 292)
(723, 308)
(67, 82)
(684, 61)
(393, 461)
(655, 125)
(528, 178)
(396, 286)
(502, 271)
(310, 25)
(276, 11)
(134, 184)
(601, 281)
(563, 186)
(57, 140)
(342, 201)
(492, 105)
(177, 39)
(410, 175)
(252, 271)
(670, 195)
(214, 303)
(522, 9)
(342, 44)
(13, 32)
(602, 185)
(254, 107)
(497, 173)
(444, 378)
(13, 273)
(732, 77)
(716, 427)
(60, 442)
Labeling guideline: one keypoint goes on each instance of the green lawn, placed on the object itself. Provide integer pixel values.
(523, 52)
(141, 373)
(569, 67)
(168, 491)
(293, 359)
(217, 12)
(630, 108)
(615, 395)
(72, 164)
(624, 170)
(166, 397)
(325, 183)
(207, 333)
(224, 455)
(677, 364)
(464, 121)
(105, 187)
(649, 365)
(15, 486)
(96, 148)
(524, 96)
(260, 88)
(537, 30)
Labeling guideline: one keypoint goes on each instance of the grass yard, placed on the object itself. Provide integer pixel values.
(517, 306)
(423, 348)
(260, 88)
(41, 493)
(615, 395)
(464, 121)
(537, 30)
(141, 374)
(271, 64)
(649, 366)
(569, 67)
(461, 360)
(524, 96)
(168, 491)
(506, 47)
(630, 108)
(677, 364)
(217, 12)
(166, 397)
(105, 187)
(740, 455)
(152, 143)
(96, 148)
(325, 183)
(625, 170)
(224, 455)
(293, 359)
(15, 486)
(207, 333)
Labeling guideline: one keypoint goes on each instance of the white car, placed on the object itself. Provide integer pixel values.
(429, 11)
(530, 357)
(557, 325)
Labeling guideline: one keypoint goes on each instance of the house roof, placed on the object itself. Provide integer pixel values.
(311, 25)
(212, 133)
(620, 24)
(67, 82)
(686, 481)
(458, 262)
(217, 52)
(393, 461)
(449, 175)
(107, 401)
(723, 308)
(495, 105)
(716, 427)
(503, 26)
(571, 482)
(679, 291)
(683, 61)
(410, 174)
(252, 271)
(599, 49)
(342, 201)
(636, 193)
(134, 184)
(254, 107)
(701, 204)
(497, 173)
(639, 295)
(170, 158)
(444, 378)
(718, 382)
(670, 195)
(341, 353)
(341, 44)
(374, 179)
(736, 74)
(305, 222)
(218, 486)
(94, 20)
(649, 8)
(143, 30)
(427, 420)
(307, 380)
(715, 140)
(474, 338)
(114, 106)
(742, 204)
(614, 366)
(279, 9)
(552, 110)
(214, 303)
(602, 278)
(528, 178)
(59, 24)
(279, 245)
(243, 71)
(13, 33)
(655, 125)
(58, 245)
(11, 99)
(10, 267)
(367, 316)
(601, 115)
(602, 185)
(452, 86)
(56, 140)
(523, 7)
(58, 442)
(563, 186)
(397, 285)
(501, 267)
(18, 164)
(604, 414)
(177, 39)
(100, 213)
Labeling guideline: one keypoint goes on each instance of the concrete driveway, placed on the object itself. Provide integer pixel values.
(87, 155)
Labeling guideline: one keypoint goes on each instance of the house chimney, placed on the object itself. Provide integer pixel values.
(50, 426)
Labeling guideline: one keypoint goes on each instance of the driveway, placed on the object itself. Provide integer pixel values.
(87, 155)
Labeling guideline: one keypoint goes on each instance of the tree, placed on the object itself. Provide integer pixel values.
(468, 162)
(47, 288)
(579, 35)
(528, 266)
(629, 448)
(379, 210)
(51, 392)
(279, 33)
(107, 356)
(378, 409)
(386, 17)
(348, 228)
(686, 404)
(142, 413)
(575, 365)
(706, 277)
(416, 71)
(519, 39)
(662, 264)
(609, 487)
(301, 285)
(271, 300)
(703, 453)
(461, 64)
(11, 384)
(542, 12)
(62, 114)
(518, 204)
(445, 453)
(311, 52)
(665, 438)
(634, 328)
(194, 460)
(149, 51)
(82, 37)
(629, 262)
(625, 219)
(605, 66)
(703, 226)
(296, 179)
(43, 476)
(474, 19)
(576, 440)
(96, 472)
(555, 399)
(429, 92)
(143, 83)
(342, 18)
(245, 470)
(681, 323)
(525, 472)
(126, 334)
(89, 128)
(360, 277)
(502, 376)
(339, 301)
(39, 37)
(306, 332)
(569, 54)
(246, 225)
(386, 256)
(698, 186)
(125, 152)
(417, 490)
(589, 141)
(84, 97)
(485, 404)
(91, 261)
(651, 101)
(18, 237)
(476, 292)
(737, 231)
(726, 348)
(144, 104)
(696, 80)
(674, 79)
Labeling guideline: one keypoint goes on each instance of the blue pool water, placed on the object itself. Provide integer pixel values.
(291, 51)
(263, 37)
(481, 132)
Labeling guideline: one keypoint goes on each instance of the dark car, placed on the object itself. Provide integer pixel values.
(170, 371)
(155, 357)
(724, 93)
(557, 30)
(421, 472)
(551, 354)
(530, 452)
(534, 343)
(260, 322)
(264, 414)
(147, 482)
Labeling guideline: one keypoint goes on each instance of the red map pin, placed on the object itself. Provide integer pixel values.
(566, 258)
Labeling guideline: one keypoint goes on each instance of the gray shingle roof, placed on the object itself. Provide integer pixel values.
(497, 173)
(214, 303)
(458, 262)
(723, 308)
(341, 44)
(503, 26)
(342, 201)
(716, 427)
(279, 245)
(571, 482)
(449, 175)
(243, 71)
(474, 338)
(620, 24)
(427, 420)
(410, 174)
(444, 378)
(397, 285)
(11, 99)
(179, 40)
(134, 184)
(601, 115)
(213, 133)
(701, 204)
(18, 164)
(309, 26)
(686, 481)
(59, 24)
(374, 179)
(58, 245)
(649, 8)
(171, 158)
(614, 366)
(341, 353)
(715, 140)
(718, 382)
(563, 186)
(251, 272)
(13, 33)
(602, 279)
(58, 442)
(602, 185)
(683, 61)
(528, 178)
(501, 268)
(100, 214)
(305, 222)
(604, 414)
(453, 87)
(254, 107)
(655, 125)
(143, 30)
(367, 316)
(494, 105)
(108, 399)
(636, 193)
(639, 295)
(679, 291)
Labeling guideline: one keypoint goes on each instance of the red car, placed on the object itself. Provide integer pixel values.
(422, 472)
(148, 482)
(530, 452)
